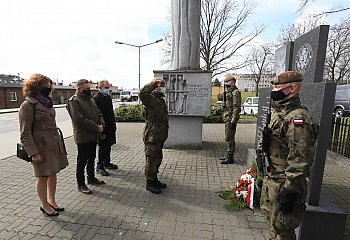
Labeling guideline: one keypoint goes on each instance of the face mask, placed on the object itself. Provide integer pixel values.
(87, 92)
(279, 95)
(162, 90)
(45, 91)
(105, 91)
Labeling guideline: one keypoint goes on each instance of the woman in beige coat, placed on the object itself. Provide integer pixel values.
(42, 140)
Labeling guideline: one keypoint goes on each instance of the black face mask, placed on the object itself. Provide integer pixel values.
(279, 95)
(87, 92)
(45, 91)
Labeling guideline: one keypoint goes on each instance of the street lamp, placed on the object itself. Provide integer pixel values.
(139, 47)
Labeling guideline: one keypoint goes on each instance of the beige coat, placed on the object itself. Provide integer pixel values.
(45, 139)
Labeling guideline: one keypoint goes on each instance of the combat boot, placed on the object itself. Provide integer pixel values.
(229, 159)
(222, 158)
(150, 186)
(158, 183)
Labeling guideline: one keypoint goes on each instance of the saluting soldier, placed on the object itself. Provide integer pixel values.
(231, 116)
(155, 132)
(291, 150)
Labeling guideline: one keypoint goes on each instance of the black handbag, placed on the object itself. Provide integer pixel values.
(21, 152)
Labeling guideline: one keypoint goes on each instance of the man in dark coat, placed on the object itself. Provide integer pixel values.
(155, 132)
(88, 125)
(104, 103)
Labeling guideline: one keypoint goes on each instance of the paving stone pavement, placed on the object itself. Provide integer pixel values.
(189, 208)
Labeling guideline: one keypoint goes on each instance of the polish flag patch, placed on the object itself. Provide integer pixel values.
(298, 121)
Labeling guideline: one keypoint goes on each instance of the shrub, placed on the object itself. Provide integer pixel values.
(215, 116)
(131, 113)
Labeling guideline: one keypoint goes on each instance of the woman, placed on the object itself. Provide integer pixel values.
(42, 140)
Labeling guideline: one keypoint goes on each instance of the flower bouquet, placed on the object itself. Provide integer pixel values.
(245, 192)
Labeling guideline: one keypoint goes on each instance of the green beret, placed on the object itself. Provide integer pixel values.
(287, 77)
(230, 77)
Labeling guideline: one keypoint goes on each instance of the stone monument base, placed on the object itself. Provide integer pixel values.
(326, 221)
(251, 156)
(185, 132)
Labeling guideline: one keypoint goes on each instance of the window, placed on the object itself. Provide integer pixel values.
(13, 97)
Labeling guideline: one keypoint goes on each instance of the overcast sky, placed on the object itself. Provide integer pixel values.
(72, 39)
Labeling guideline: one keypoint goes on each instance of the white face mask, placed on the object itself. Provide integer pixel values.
(163, 90)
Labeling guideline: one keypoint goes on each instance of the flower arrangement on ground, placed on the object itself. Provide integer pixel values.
(245, 192)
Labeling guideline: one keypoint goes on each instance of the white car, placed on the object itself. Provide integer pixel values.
(250, 106)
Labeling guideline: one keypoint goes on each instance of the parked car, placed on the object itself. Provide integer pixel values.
(250, 106)
(342, 101)
(125, 95)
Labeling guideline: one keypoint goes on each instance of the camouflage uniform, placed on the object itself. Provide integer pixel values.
(156, 128)
(292, 151)
(231, 116)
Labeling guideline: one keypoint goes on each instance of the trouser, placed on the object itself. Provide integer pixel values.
(86, 157)
(281, 225)
(104, 156)
(154, 157)
(230, 131)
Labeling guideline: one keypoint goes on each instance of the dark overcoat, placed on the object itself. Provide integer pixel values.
(105, 105)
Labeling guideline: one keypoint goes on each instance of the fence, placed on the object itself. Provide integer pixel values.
(340, 136)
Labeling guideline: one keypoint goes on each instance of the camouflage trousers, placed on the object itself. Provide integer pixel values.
(154, 157)
(230, 131)
(281, 225)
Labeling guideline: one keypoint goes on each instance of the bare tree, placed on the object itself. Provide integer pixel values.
(335, 9)
(166, 49)
(260, 60)
(337, 64)
(293, 31)
(222, 34)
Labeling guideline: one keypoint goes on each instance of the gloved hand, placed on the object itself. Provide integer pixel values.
(286, 198)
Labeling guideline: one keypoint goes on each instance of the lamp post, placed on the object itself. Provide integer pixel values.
(139, 47)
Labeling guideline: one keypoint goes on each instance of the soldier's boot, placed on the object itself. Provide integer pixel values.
(229, 159)
(150, 186)
(222, 158)
(159, 184)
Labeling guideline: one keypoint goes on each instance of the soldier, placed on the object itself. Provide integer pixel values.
(155, 132)
(231, 116)
(291, 150)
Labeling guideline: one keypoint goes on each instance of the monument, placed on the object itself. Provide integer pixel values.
(188, 94)
(307, 55)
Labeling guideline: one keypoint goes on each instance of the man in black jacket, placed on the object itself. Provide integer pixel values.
(108, 137)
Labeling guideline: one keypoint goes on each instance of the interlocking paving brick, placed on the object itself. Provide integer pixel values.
(189, 208)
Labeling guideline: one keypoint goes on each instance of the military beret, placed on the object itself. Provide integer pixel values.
(287, 77)
(229, 77)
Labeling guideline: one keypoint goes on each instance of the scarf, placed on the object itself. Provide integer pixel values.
(46, 101)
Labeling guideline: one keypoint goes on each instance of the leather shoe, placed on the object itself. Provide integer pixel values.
(84, 189)
(59, 209)
(54, 213)
(152, 188)
(111, 166)
(102, 171)
(95, 181)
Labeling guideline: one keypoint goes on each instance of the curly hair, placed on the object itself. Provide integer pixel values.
(35, 83)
